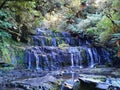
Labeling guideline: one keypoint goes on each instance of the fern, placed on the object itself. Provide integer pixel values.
(4, 19)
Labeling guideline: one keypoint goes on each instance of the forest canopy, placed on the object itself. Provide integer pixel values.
(20, 17)
(96, 20)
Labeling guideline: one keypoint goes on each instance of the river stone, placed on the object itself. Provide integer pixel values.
(40, 83)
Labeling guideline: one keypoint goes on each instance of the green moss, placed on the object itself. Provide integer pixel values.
(11, 52)
(58, 40)
(49, 40)
(92, 31)
(19, 54)
(6, 55)
(63, 45)
(14, 57)
(6, 68)
(54, 29)
(63, 41)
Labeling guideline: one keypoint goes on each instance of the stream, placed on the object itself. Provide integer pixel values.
(71, 78)
(61, 61)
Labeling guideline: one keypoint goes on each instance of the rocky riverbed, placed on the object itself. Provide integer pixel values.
(52, 80)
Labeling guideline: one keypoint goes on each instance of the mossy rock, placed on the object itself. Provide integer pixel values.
(6, 66)
(63, 45)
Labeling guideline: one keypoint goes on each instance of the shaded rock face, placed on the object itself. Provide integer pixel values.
(49, 54)
(82, 85)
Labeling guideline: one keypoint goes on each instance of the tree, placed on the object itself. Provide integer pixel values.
(23, 17)
(110, 23)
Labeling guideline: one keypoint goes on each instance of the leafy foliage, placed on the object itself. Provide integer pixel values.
(22, 17)
(4, 52)
(109, 24)
(19, 18)
(4, 37)
(4, 20)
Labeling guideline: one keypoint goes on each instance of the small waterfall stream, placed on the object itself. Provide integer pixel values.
(72, 60)
(53, 50)
(29, 60)
(37, 61)
(91, 57)
(73, 76)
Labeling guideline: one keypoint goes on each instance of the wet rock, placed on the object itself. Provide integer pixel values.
(68, 85)
(3, 64)
(87, 85)
(40, 83)
(93, 82)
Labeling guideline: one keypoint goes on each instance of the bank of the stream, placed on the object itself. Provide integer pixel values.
(52, 80)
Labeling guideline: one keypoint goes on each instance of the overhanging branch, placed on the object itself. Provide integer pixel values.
(10, 31)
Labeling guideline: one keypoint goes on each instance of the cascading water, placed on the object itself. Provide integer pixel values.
(72, 60)
(80, 60)
(48, 52)
(91, 57)
(29, 60)
(54, 42)
(37, 61)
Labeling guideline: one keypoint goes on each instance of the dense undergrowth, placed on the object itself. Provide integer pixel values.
(11, 52)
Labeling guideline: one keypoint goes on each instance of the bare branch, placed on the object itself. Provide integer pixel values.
(10, 31)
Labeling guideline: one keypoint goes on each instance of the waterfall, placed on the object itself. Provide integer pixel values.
(72, 62)
(80, 60)
(29, 60)
(37, 61)
(42, 41)
(49, 52)
(73, 76)
(91, 57)
(54, 42)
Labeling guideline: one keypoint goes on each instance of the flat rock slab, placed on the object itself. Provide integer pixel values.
(40, 83)
(101, 82)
